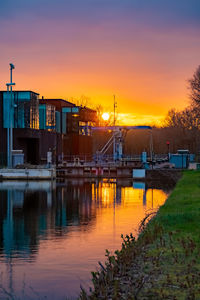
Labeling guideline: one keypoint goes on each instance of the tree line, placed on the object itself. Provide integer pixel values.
(184, 125)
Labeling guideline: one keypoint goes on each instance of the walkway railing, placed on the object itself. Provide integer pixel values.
(107, 159)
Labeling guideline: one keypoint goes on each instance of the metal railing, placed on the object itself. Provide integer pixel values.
(107, 159)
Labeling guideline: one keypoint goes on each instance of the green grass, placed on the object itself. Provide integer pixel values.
(164, 263)
(175, 233)
(181, 212)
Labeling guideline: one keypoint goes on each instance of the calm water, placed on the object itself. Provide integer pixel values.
(52, 235)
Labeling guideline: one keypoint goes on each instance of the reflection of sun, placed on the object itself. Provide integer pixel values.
(105, 116)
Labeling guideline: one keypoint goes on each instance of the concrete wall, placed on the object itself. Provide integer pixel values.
(38, 174)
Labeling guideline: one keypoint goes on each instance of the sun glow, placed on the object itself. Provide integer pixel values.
(105, 116)
(131, 119)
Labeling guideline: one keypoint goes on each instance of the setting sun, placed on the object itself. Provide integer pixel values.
(105, 116)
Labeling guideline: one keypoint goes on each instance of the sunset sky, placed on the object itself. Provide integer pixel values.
(143, 51)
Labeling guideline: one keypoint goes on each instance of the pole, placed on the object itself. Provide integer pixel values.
(151, 148)
(114, 138)
(11, 119)
(115, 106)
(8, 130)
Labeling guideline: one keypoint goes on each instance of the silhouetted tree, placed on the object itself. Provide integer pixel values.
(194, 86)
(83, 101)
(186, 119)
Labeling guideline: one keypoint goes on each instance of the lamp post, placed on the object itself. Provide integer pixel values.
(10, 119)
(168, 144)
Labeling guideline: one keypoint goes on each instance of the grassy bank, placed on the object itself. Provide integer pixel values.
(164, 263)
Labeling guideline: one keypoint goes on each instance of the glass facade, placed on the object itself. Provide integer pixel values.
(26, 109)
(50, 117)
(70, 120)
(47, 117)
(58, 122)
(26, 112)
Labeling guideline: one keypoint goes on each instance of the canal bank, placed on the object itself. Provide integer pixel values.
(44, 173)
(164, 263)
(115, 170)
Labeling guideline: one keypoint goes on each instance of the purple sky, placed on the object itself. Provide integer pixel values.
(142, 51)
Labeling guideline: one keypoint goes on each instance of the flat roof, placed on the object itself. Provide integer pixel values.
(57, 99)
(21, 91)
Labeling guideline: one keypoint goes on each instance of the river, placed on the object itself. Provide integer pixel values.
(52, 235)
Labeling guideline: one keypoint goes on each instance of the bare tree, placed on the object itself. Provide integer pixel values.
(185, 119)
(172, 118)
(194, 86)
(82, 101)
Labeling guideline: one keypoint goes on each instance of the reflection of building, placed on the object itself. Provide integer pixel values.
(42, 125)
(107, 193)
(23, 216)
(31, 211)
(74, 199)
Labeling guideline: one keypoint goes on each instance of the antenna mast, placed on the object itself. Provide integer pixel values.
(115, 106)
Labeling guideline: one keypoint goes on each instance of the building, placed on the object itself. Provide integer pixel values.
(45, 125)
(74, 122)
(27, 135)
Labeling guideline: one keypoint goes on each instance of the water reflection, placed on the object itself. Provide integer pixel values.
(54, 234)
